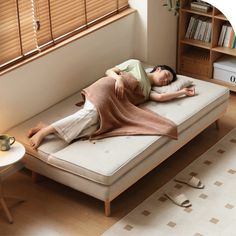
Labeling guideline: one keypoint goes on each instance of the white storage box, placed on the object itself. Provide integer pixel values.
(225, 69)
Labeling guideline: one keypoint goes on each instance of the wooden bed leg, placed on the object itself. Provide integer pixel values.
(217, 124)
(107, 205)
(36, 177)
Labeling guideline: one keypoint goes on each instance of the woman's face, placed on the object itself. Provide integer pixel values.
(162, 77)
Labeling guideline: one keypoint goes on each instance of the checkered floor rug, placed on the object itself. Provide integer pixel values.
(213, 211)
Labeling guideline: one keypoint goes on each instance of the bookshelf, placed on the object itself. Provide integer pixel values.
(196, 57)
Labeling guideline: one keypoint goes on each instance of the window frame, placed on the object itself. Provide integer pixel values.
(67, 38)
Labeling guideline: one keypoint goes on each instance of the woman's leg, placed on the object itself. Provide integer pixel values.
(78, 124)
(70, 127)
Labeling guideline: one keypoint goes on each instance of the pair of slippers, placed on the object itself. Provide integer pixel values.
(181, 199)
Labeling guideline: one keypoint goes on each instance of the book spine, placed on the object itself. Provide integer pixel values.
(198, 29)
(199, 7)
(234, 42)
(205, 32)
(231, 39)
(222, 35)
(227, 36)
(192, 33)
(190, 25)
(208, 36)
(202, 30)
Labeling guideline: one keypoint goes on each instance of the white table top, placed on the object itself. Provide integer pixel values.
(13, 155)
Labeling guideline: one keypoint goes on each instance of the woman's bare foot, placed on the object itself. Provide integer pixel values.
(37, 138)
(35, 129)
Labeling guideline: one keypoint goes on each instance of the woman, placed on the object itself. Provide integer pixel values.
(105, 114)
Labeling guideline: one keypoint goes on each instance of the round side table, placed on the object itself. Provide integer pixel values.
(9, 164)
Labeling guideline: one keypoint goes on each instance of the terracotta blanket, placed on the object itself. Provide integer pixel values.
(125, 116)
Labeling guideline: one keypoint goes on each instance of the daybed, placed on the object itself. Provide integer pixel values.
(107, 167)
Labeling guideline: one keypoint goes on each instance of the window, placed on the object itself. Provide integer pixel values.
(30, 26)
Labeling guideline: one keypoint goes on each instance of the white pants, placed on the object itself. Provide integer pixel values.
(82, 123)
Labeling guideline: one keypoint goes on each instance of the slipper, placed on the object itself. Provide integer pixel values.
(178, 199)
(192, 182)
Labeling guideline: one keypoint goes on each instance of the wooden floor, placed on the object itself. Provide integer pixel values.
(54, 209)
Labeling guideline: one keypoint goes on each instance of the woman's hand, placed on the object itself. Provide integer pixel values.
(161, 97)
(189, 91)
(116, 74)
(119, 87)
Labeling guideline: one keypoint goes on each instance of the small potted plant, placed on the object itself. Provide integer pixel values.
(172, 5)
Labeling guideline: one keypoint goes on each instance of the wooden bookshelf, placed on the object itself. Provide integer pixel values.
(196, 57)
(228, 51)
(196, 43)
(221, 17)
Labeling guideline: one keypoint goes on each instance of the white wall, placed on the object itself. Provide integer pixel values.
(41, 83)
(141, 29)
(156, 33)
(162, 34)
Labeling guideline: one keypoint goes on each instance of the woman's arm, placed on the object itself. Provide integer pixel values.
(119, 85)
(169, 96)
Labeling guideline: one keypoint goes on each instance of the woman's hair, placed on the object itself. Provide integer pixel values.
(165, 67)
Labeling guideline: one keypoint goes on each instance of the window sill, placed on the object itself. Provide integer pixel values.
(73, 38)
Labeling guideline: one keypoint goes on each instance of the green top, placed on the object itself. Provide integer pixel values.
(136, 69)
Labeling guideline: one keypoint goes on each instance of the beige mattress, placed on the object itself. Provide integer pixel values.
(105, 161)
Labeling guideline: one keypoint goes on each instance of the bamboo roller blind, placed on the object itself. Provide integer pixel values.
(28, 26)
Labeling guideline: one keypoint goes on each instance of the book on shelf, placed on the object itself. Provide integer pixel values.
(199, 28)
(202, 2)
(200, 21)
(208, 33)
(190, 26)
(205, 32)
(231, 43)
(200, 6)
(227, 36)
(234, 42)
(202, 31)
(222, 35)
(194, 27)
